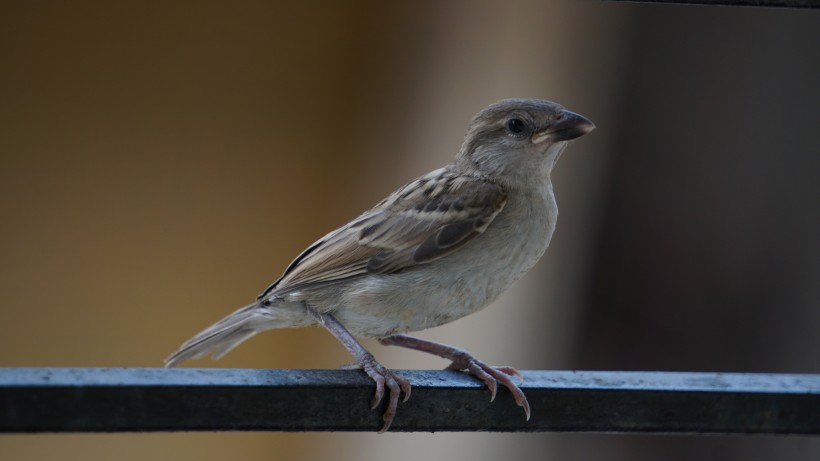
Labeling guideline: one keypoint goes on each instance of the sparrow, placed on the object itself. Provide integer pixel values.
(443, 246)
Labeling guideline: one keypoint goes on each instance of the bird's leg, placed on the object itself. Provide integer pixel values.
(463, 360)
(381, 375)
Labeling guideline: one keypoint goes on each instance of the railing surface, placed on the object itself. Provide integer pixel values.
(148, 399)
(761, 3)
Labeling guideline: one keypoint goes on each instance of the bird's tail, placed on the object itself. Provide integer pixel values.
(221, 337)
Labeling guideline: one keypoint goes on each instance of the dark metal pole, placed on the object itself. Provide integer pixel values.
(763, 3)
(118, 400)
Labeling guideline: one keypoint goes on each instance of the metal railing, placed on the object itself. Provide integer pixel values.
(147, 399)
(760, 3)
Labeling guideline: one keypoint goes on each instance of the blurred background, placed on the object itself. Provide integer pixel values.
(162, 162)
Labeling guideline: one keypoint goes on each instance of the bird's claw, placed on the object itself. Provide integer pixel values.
(394, 382)
(511, 372)
(491, 376)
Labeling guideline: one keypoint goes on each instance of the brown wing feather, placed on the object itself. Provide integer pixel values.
(424, 221)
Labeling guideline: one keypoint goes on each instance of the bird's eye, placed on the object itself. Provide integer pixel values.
(516, 126)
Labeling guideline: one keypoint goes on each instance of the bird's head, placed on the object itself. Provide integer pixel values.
(517, 141)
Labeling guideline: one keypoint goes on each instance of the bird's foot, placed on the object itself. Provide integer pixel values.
(366, 362)
(491, 376)
(464, 361)
(394, 382)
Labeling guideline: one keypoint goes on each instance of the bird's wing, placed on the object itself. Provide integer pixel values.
(425, 220)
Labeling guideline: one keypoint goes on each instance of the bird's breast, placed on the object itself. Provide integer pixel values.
(460, 284)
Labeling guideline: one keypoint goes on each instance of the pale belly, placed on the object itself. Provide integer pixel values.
(450, 288)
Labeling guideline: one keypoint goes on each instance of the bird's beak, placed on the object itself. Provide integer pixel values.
(568, 125)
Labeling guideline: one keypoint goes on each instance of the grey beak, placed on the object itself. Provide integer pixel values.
(569, 125)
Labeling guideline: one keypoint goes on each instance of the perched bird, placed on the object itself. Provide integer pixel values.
(442, 247)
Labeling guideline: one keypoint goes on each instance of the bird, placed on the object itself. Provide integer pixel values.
(441, 247)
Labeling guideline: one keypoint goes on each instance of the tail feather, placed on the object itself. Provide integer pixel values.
(221, 337)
